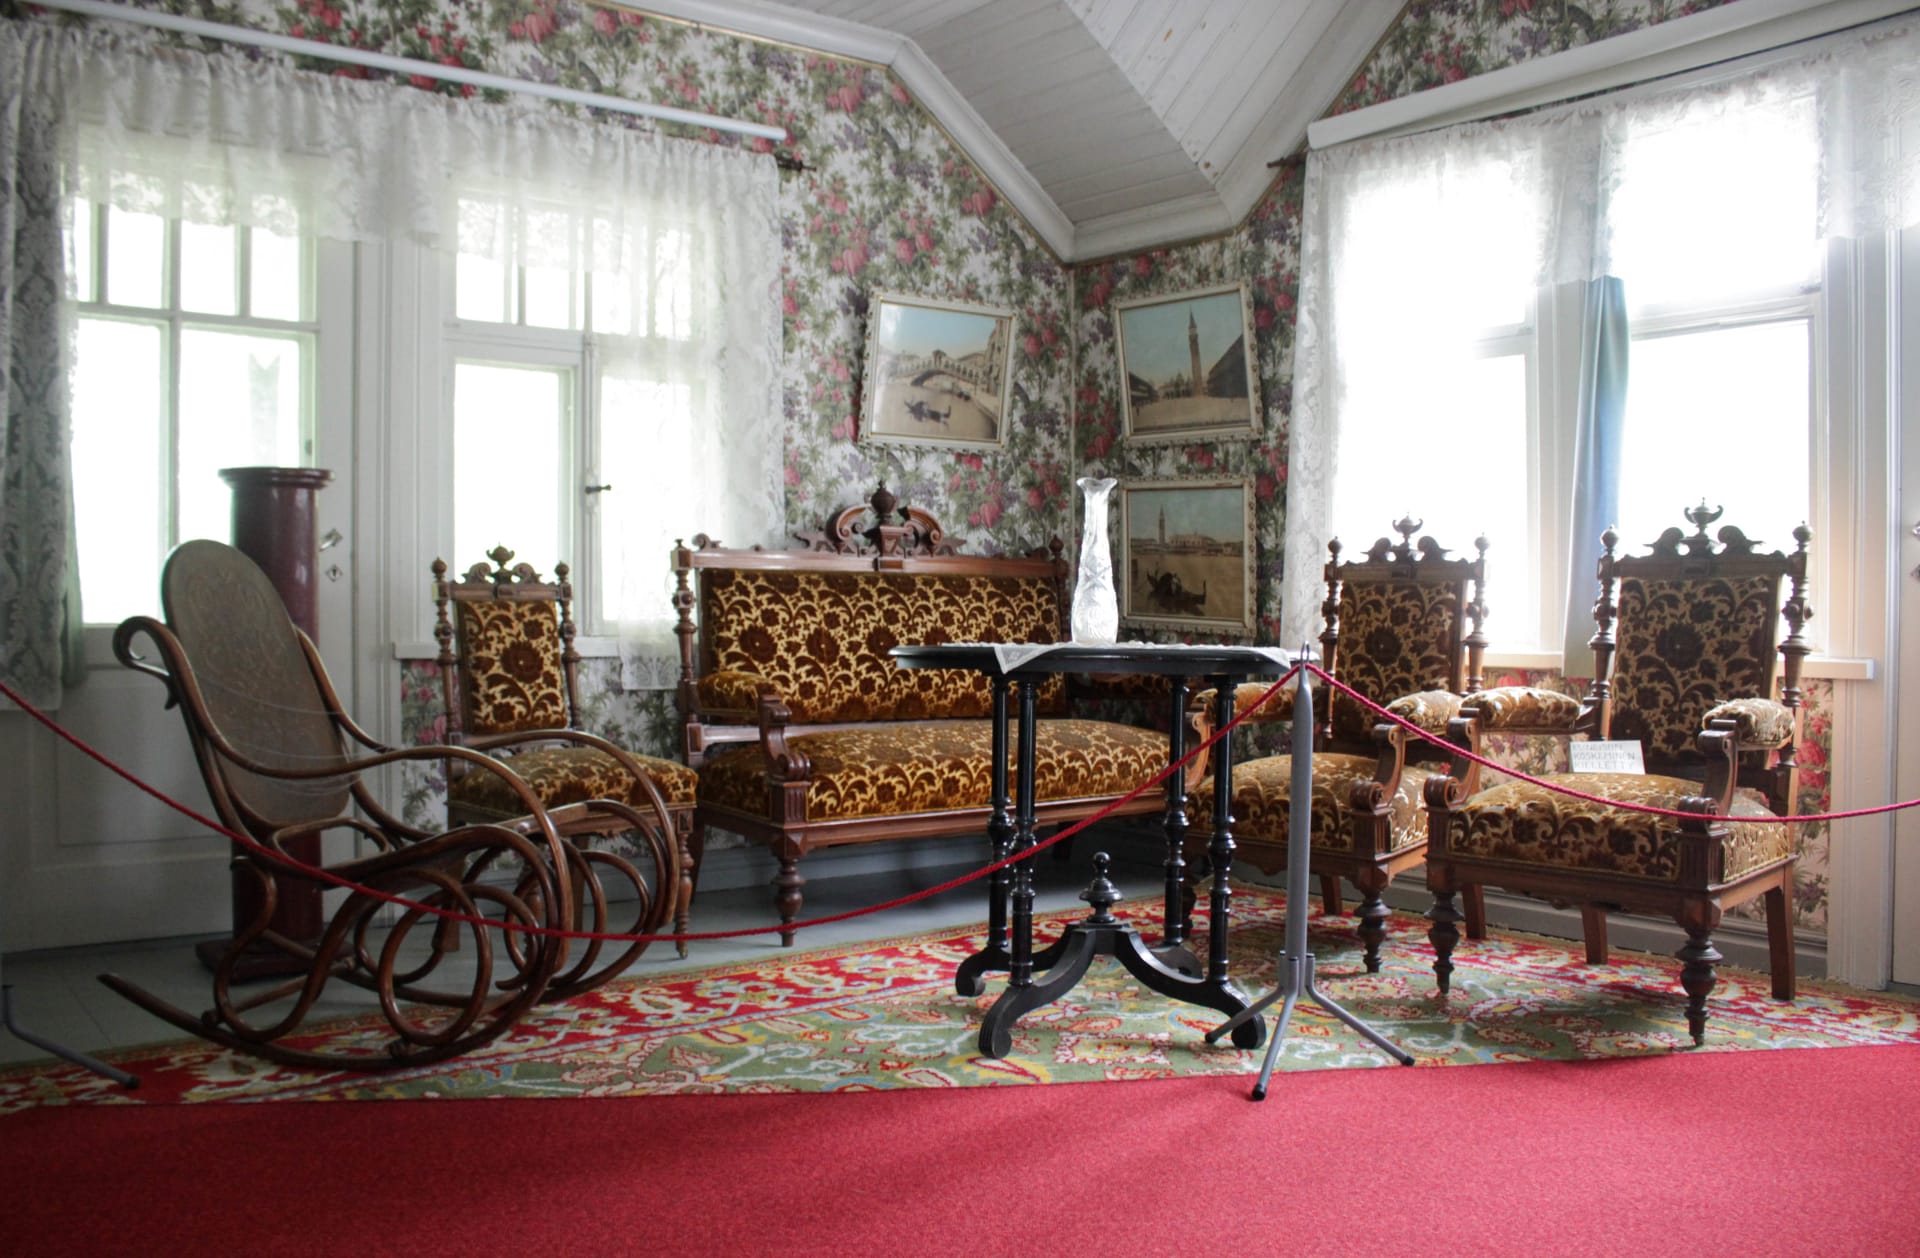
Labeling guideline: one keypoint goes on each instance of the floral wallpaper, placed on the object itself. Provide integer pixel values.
(888, 202)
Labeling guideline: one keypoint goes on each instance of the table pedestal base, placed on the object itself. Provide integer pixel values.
(1099, 935)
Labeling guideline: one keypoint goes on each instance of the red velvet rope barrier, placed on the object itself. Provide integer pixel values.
(283, 861)
(1560, 789)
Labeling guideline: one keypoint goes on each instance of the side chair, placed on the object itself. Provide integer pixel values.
(1403, 628)
(510, 674)
(1686, 649)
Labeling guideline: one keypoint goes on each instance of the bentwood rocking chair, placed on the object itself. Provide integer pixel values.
(272, 744)
(1685, 655)
(1403, 629)
(510, 675)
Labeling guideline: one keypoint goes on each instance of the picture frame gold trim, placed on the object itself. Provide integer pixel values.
(1228, 405)
(1197, 574)
(919, 391)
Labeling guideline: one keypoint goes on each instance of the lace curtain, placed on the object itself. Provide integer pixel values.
(36, 518)
(520, 183)
(1522, 204)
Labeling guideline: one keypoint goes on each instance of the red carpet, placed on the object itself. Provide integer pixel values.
(1785, 1152)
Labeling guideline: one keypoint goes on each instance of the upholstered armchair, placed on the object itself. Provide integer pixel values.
(1685, 657)
(510, 673)
(1402, 628)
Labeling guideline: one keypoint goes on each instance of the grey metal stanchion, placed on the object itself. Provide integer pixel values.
(98, 1067)
(1296, 961)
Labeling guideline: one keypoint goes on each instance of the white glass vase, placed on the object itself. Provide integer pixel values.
(1096, 609)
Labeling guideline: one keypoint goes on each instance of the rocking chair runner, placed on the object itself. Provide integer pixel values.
(270, 738)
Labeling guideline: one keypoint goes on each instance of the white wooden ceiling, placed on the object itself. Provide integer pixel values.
(1113, 125)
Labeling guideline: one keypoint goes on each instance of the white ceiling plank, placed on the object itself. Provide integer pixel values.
(988, 28)
(1120, 173)
(1204, 102)
(1103, 17)
(1064, 153)
(1041, 65)
(915, 20)
(1136, 196)
(1198, 52)
(1149, 22)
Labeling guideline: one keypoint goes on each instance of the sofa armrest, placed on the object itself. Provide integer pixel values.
(1762, 724)
(1245, 695)
(1428, 709)
(1522, 709)
(733, 693)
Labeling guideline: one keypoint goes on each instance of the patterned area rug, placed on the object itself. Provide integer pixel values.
(884, 1015)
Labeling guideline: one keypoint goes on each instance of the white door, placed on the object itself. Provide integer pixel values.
(88, 858)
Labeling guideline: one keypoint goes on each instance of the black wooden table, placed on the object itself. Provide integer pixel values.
(1171, 968)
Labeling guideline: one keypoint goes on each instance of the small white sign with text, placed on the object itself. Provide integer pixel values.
(1606, 757)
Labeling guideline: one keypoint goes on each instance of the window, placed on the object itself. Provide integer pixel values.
(1456, 385)
(569, 388)
(194, 350)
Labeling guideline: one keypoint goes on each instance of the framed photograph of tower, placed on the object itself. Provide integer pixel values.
(937, 373)
(1186, 554)
(1189, 365)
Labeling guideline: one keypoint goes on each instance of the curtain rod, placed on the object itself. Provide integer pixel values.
(407, 65)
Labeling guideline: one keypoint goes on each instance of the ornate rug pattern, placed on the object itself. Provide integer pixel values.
(884, 1015)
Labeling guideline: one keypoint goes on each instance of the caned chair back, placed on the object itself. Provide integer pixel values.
(1402, 619)
(1691, 625)
(260, 691)
(507, 659)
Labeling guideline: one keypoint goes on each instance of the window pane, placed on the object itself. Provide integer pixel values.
(277, 287)
(240, 406)
(480, 290)
(136, 259)
(1723, 416)
(509, 451)
(1717, 209)
(612, 304)
(672, 286)
(646, 436)
(1390, 427)
(119, 379)
(549, 297)
(209, 269)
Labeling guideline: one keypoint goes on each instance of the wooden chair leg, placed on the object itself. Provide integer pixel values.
(1780, 939)
(1474, 900)
(1593, 928)
(1372, 914)
(1330, 897)
(690, 847)
(1697, 959)
(1444, 933)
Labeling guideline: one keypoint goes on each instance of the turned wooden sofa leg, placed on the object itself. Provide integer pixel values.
(1373, 914)
(1444, 933)
(1697, 959)
(786, 887)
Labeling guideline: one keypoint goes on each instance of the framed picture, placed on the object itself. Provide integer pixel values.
(1189, 366)
(937, 373)
(1186, 550)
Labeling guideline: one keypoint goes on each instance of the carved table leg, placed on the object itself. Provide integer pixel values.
(1174, 951)
(1021, 995)
(1248, 1034)
(969, 979)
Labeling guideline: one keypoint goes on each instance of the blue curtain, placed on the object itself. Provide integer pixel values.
(1596, 457)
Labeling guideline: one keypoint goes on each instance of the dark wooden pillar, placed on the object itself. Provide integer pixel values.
(273, 525)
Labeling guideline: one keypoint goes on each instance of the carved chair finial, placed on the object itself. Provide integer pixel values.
(1406, 526)
(1701, 516)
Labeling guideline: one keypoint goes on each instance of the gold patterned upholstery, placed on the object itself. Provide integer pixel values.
(1762, 722)
(1526, 824)
(510, 667)
(1684, 646)
(1523, 707)
(731, 691)
(1245, 695)
(571, 775)
(1396, 638)
(822, 638)
(1430, 709)
(1260, 805)
(909, 767)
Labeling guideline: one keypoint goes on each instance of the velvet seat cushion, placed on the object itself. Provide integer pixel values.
(1263, 787)
(1529, 825)
(908, 767)
(570, 775)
